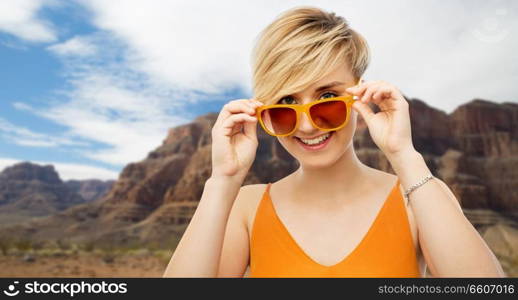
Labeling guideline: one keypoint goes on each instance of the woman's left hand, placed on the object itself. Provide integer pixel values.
(390, 127)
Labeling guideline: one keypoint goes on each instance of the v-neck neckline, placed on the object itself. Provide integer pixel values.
(355, 249)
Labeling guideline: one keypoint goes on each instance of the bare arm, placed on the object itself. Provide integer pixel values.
(199, 250)
(234, 144)
(452, 247)
(235, 254)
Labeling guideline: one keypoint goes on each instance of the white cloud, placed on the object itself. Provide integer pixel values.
(431, 51)
(443, 53)
(22, 106)
(79, 46)
(69, 171)
(202, 46)
(25, 137)
(129, 121)
(128, 82)
(19, 18)
(81, 172)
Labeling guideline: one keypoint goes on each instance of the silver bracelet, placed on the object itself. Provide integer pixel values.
(415, 186)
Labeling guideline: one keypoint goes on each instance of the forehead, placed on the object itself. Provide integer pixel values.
(341, 73)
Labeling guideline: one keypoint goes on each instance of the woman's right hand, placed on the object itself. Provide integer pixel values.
(234, 139)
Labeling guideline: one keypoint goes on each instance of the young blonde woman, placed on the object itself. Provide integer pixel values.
(334, 216)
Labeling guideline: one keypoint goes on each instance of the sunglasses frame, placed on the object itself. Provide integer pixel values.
(305, 108)
(348, 100)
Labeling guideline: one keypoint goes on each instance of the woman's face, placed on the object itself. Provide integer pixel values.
(338, 141)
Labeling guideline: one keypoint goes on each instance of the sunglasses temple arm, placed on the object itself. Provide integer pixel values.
(358, 83)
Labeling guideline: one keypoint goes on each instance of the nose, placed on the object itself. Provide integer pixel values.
(305, 126)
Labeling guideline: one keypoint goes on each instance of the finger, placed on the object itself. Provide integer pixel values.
(364, 110)
(256, 102)
(378, 95)
(359, 89)
(382, 97)
(235, 119)
(381, 94)
(235, 106)
(250, 130)
(239, 106)
(367, 95)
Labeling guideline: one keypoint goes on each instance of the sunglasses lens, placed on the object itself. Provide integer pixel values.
(279, 120)
(329, 114)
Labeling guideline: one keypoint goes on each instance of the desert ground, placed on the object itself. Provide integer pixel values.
(51, 263)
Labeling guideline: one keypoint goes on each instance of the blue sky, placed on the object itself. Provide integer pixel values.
(92, 85)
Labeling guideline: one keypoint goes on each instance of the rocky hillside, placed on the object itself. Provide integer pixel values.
(29, 190)
(90, 189)
(473, 149)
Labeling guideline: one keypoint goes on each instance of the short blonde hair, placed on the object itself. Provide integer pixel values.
(300, 47)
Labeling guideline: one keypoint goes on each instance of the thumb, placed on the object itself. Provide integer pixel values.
(364, 110)
(250, 129)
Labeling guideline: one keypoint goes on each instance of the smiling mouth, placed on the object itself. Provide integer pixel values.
(316, 141)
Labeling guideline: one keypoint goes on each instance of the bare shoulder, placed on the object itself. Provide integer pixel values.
(412, 223)
(251, 193)
(252, 188)
(248, 200)
(390, 179)
(382, 178)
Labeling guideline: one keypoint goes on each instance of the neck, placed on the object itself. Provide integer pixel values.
(329, 186)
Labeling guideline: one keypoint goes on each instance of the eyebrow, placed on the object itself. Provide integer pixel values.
(324, 87)
(329, 85)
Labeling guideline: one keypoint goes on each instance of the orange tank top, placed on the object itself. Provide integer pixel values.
(387, 249)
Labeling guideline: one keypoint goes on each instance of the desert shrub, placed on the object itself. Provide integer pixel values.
(5, 244)
(63, 245)
(23, 245)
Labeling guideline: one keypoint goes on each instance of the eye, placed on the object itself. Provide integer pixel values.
(329, 95)
(287, 100)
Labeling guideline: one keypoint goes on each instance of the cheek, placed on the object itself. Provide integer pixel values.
(345, 135)
(286, 142)
(290, 145)
(342, 137)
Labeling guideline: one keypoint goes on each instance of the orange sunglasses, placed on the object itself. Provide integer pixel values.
(327, 115)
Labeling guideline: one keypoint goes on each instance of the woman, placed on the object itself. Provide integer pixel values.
(334, 216)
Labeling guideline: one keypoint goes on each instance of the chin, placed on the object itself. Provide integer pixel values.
(320, 163)
(316, 158)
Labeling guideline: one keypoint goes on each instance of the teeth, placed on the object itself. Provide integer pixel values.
(317, 140)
